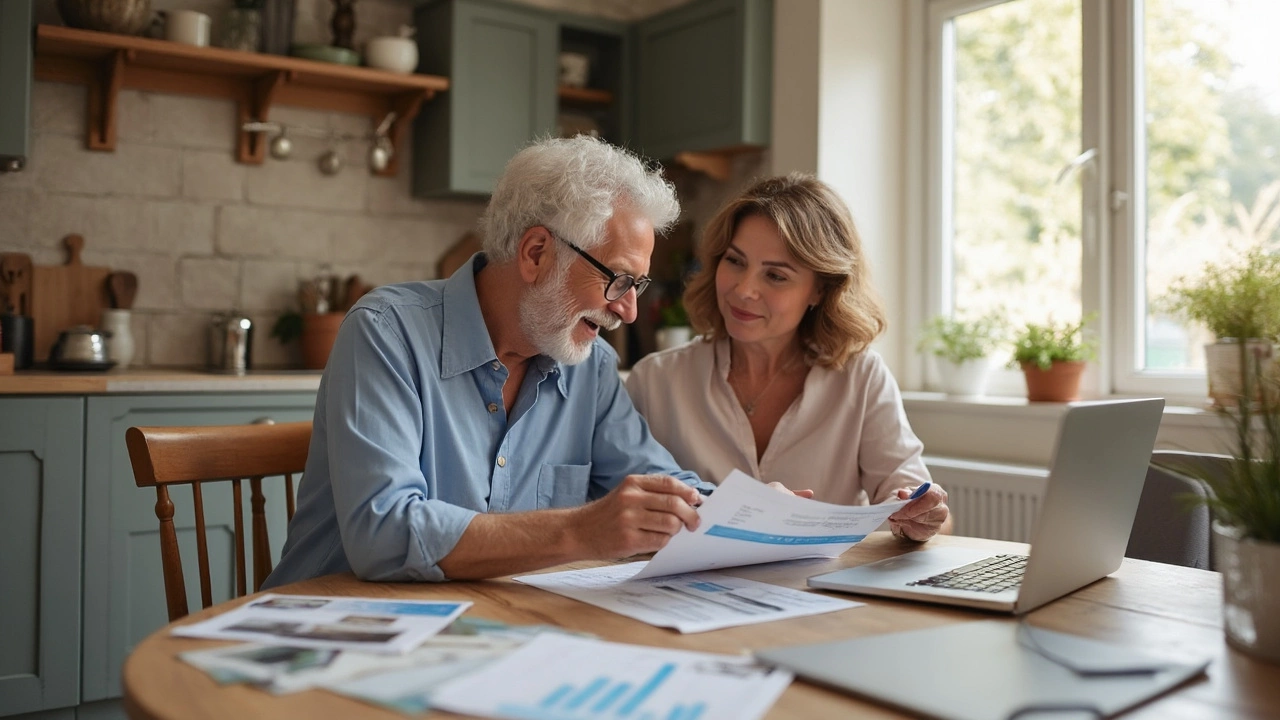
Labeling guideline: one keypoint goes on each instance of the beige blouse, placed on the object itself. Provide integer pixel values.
(846, 437)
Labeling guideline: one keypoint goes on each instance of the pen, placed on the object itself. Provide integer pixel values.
(920, 491)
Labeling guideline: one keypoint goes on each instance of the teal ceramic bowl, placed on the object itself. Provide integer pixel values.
(326, 53)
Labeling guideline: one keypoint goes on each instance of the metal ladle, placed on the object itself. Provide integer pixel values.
(281, 145)
(381, 151)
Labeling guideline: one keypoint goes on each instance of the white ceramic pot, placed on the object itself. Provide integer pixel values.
(1222, 366)
(397, 54)
(1250, 585)
(120, 346)
(669, 337)
(966, 378)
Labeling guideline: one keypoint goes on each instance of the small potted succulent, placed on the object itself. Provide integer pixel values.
(1052, 357)
(1239, 302)
(962, 350)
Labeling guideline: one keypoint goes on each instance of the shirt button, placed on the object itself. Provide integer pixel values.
(496, 365)
(493, 407)
(502, 462)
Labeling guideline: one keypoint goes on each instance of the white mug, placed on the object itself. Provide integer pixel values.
(187, 26)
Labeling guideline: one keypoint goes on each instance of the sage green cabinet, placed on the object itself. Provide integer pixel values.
(15, 83)
(41, 495)
(123, 581)
(704, 77)
(501, 64)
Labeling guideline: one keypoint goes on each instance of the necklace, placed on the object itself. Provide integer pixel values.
(749, 407)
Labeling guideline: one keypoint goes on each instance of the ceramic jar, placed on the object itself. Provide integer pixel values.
(120, 347)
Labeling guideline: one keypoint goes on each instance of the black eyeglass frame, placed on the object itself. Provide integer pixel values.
(626, 280)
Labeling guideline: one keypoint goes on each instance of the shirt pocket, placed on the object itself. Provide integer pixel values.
(563, 485)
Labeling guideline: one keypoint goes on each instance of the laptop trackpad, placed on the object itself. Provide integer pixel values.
(898, 571)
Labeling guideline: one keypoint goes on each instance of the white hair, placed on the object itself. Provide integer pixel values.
(572, 186)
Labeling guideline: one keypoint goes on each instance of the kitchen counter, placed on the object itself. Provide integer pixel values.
(49, 382)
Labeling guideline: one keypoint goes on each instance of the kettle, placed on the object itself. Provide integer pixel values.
(230, 343)
(80, 348)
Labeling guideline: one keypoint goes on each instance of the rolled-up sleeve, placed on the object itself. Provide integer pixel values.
(392, 525)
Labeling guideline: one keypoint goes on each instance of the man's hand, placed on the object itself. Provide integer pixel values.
(923, 517)
(638, 516)
(798, 493)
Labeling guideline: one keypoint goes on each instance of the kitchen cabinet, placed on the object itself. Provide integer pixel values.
(123, 581)
(704, 78)
(15, 83)
(79, 541)
(41, 491)
(696, 79)
(501, 64)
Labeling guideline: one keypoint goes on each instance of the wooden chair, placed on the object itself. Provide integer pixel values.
(165, 456)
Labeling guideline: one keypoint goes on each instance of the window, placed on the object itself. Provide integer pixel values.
(1083, 154)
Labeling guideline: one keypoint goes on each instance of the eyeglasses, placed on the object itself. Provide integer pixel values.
(619, 283)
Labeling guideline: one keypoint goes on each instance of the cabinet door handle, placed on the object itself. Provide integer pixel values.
(264, 420)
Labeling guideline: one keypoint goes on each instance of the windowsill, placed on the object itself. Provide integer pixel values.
(1182, 414)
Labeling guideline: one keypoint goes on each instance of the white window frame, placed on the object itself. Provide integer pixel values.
(1112, 271)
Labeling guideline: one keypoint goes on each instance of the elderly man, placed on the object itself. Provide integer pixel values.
(476, 426)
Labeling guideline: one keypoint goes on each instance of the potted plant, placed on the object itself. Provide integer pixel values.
(673, 329)
(1052, 358)
(1239, 302)
(1244, 496)
(961, 350)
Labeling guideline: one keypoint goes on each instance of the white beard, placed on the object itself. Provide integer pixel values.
(548, 318)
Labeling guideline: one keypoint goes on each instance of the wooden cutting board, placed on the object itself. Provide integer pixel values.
(66, 295)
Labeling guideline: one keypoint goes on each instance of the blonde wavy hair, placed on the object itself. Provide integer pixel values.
(818, 231)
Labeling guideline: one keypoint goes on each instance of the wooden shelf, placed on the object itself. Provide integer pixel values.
(107, 63)
(584, 96)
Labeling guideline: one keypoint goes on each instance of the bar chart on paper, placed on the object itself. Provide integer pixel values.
(606, 697)
(557, 677)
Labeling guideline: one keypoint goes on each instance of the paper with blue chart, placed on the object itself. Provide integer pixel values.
(558, 677)
(745, 522)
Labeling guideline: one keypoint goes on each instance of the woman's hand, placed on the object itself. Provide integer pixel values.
(923, 517)
(798, 493)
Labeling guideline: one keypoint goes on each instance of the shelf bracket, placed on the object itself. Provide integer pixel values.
(251, 147)
(102, 100)
(406, 107)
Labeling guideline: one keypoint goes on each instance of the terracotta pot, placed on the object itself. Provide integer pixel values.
(1060, 383)
(1250, 584)
(318, 334)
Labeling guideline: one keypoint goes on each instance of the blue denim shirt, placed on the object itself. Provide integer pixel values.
(411, 440)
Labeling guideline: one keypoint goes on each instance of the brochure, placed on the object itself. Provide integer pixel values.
(335, 623)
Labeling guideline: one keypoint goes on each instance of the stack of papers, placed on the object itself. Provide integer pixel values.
(744, 522)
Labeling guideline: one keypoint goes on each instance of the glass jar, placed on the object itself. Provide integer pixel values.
(243, 27)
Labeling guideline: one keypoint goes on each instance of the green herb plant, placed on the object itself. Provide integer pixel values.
(673, 314)
(961, 340)
(1235, 299)
(1044, 344)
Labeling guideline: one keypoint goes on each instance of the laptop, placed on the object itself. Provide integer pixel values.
(1099, 467)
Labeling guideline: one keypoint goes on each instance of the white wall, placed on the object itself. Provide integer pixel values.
(855, 50)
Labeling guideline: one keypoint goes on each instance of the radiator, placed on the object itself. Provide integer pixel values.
(990, 500)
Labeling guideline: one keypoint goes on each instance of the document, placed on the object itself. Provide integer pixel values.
(690, 603)
(280, 669)
(745, 522)
(337, 623)
(556, 677)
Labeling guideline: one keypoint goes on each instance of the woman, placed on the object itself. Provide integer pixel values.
(782, 384)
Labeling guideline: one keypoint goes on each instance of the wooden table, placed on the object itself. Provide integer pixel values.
(1168, 609)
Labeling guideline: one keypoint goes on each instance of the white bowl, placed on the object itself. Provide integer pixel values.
(397, 54)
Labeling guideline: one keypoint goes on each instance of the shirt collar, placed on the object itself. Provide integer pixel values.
(462, 348)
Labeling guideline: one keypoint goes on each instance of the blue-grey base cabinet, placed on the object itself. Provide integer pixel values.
(104, 589)
(41, 495)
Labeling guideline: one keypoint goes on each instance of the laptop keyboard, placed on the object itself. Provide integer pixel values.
(994, 574)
